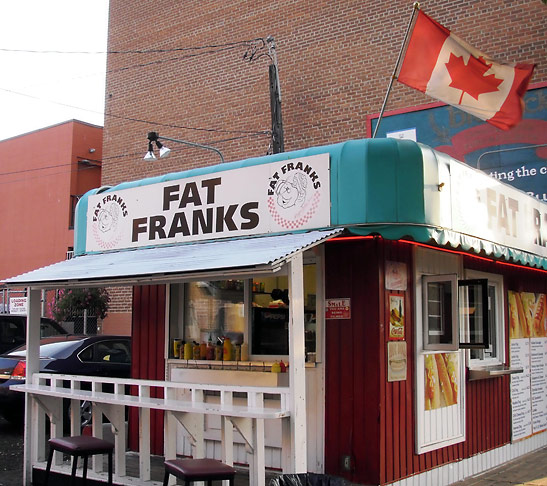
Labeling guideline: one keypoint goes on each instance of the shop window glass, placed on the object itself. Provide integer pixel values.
(440, 311)
(493, 352)
(206, 312)
(473, 313)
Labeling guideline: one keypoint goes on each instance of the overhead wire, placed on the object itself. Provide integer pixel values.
(254, 46)
(250, 54)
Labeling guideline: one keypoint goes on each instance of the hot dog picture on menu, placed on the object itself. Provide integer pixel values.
(527, 314)
(441, 380)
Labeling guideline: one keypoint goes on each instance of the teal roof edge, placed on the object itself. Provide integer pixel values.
(370, 181)
(445, 237)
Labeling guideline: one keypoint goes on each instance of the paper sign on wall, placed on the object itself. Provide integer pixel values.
(338, 309)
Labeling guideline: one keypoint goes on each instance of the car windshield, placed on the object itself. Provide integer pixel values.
(56, 349)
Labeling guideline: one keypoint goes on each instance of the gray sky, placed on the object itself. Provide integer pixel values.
(41, 89)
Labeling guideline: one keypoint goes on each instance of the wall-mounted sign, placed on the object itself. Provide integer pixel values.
(18, 305)
(396, 361)
(396, 317)
(338, 308)
(528, 335)
(441, 380)
(396, 276)
(493, 212)
(267, 198)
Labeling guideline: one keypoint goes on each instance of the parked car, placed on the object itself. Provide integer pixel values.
(13, 330)
(101, 355)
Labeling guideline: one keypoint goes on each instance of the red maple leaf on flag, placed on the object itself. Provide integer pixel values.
(470, 77)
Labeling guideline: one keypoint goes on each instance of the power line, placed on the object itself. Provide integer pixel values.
(148, 122)
(139, 51)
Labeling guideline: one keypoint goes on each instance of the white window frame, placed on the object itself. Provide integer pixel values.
(452, 280)
(496, 281)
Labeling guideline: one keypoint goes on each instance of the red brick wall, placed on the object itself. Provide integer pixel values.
(335, 61)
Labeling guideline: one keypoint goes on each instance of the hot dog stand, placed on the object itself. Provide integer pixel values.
(371, 309)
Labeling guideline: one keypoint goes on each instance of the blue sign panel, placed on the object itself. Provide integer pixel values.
(517, 156)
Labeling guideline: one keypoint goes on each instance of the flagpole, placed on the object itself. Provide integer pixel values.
(415, 8)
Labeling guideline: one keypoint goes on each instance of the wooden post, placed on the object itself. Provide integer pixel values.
(297, 365)
(33, 366)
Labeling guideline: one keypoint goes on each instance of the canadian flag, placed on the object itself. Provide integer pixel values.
(446, 68)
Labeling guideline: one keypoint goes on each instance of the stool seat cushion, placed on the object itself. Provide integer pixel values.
(81, 445)
(199, 469)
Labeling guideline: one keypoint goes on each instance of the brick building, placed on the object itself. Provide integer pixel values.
(43, 174)
(335, 61)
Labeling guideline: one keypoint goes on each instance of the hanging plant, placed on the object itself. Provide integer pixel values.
(72, 302)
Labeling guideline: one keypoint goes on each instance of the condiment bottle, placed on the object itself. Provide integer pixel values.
(187, 350)
(276, 368)
(227, 349)
(203, 351)
(219, 351)
(210, 349)
(195, 351)
(176, 347)
(244, 352)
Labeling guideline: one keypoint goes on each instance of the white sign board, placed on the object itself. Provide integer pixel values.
(483, 207)
(289, 195)
(18, 305)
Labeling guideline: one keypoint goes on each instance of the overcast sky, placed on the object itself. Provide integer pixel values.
(41, 89)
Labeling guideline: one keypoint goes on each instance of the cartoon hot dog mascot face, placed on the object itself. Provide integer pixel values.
(441, 380)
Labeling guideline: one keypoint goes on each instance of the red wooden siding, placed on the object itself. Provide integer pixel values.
(353, 357)
(370, 419)
(148, 361)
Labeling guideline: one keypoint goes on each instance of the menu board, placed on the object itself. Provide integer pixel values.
(521, 400)
(528, 333)
(538, 365)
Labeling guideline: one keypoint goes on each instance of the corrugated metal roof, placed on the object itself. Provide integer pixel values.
(265, 253)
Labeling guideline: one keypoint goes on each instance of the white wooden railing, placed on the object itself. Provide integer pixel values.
(185, 403)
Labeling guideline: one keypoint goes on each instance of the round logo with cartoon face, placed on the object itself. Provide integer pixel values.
(293, 195)
(106, 224)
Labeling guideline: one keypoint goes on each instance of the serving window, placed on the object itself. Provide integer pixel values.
(252, 315)
(455, 313)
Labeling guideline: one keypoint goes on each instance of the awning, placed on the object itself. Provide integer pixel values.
(162, 264)
(446, 237)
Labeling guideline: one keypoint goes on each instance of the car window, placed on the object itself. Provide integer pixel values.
(11, 332)
(49, 328)
(113, 351)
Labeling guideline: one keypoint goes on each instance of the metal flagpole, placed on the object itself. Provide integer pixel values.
(394, 75)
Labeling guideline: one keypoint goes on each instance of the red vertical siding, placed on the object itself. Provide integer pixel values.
(370, 419)
(148, 362)
(352, 363)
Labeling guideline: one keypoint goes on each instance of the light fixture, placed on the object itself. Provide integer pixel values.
(164, 151)
(150, 154)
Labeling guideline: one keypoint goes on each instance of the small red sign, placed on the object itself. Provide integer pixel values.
(338, 309)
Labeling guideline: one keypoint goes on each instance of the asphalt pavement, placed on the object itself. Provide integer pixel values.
(11, 454)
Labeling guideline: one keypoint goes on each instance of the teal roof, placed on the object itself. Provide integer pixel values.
(388, 187)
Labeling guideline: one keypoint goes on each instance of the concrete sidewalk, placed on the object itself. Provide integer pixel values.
(530, 469)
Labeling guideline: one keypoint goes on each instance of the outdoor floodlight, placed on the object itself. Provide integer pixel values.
(164, 151)
(150, 154)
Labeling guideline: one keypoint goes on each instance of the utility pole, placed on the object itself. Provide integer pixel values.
(278, 143)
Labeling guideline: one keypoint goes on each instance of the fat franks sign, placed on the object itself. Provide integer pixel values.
(268, 198)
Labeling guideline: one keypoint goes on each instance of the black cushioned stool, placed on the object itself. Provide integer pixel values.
(83, 446)
(190, 470)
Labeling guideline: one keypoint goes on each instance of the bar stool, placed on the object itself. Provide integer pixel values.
(190, 470)
(83, 446)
